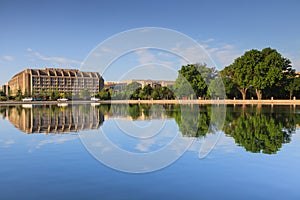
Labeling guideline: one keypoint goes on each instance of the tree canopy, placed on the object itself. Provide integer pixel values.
(260, 70)
(193, 80)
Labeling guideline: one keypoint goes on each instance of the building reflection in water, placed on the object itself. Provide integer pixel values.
(259, 129)
(53, 119)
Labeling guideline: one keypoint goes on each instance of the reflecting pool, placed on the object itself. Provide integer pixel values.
(70, 152)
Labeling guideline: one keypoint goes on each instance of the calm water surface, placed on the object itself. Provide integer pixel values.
(257, 155)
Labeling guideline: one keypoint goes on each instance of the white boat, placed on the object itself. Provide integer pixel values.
(62, 100)
(27, 99)
(95, 99)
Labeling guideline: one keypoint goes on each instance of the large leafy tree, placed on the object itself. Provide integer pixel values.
(258, 69)
(231, 90)
(272, 69)
(193, 79)
(241, 70)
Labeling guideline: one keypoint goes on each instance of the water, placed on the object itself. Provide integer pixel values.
(43, 152)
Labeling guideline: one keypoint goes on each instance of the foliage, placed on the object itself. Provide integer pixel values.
(293, 85)
(129, 92)
(54, 95)
(259, 132)
(231, 90)
(194, 123)
(134, 111)
(261, 70)
(135, 91)
(146, 92)
(216, 89)
(19, 95)
(3, 96)
(192, 81)
(104, 94)
(2, 93)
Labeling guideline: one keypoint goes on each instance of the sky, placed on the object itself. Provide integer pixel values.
(64, 34)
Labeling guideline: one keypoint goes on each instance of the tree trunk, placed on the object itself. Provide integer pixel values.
(244, 92)
(258, 93)
(291, 94)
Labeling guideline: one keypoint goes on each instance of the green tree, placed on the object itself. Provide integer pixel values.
(130, 91)
(241, 71)
(146, 92)
(258, 69)
(62, 95)
(216, 89)
(231, 90)
(3, 96)
(54, 95)
(2, 93)
(192, 80)
(155, 95)
(271, 69)
(104, 94)
(293, 85)
(182, 87)
(167, 93)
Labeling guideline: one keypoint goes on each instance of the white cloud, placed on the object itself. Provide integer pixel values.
(209, 40)
(59, 60)
(57, 139)
(192, 54)
(165, 54)
(226, 54)
(296, 63)
(104, 52)
(221, 54)
(159, 58)
(52, 59)
(7, 143)
(145, 57)
(8, 58)
(209, 51)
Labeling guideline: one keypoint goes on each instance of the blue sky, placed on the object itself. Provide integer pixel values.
(38, 34)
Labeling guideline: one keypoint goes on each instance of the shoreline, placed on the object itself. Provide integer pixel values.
(213, 102)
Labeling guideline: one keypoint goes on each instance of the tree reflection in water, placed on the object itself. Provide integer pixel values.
(259, 129)
(262, 128)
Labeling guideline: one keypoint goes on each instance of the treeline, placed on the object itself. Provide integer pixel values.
(135, 91)
(257, 74)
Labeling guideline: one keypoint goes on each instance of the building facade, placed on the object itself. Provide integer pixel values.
(152, 83)
(36, 81)
(119, 86)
